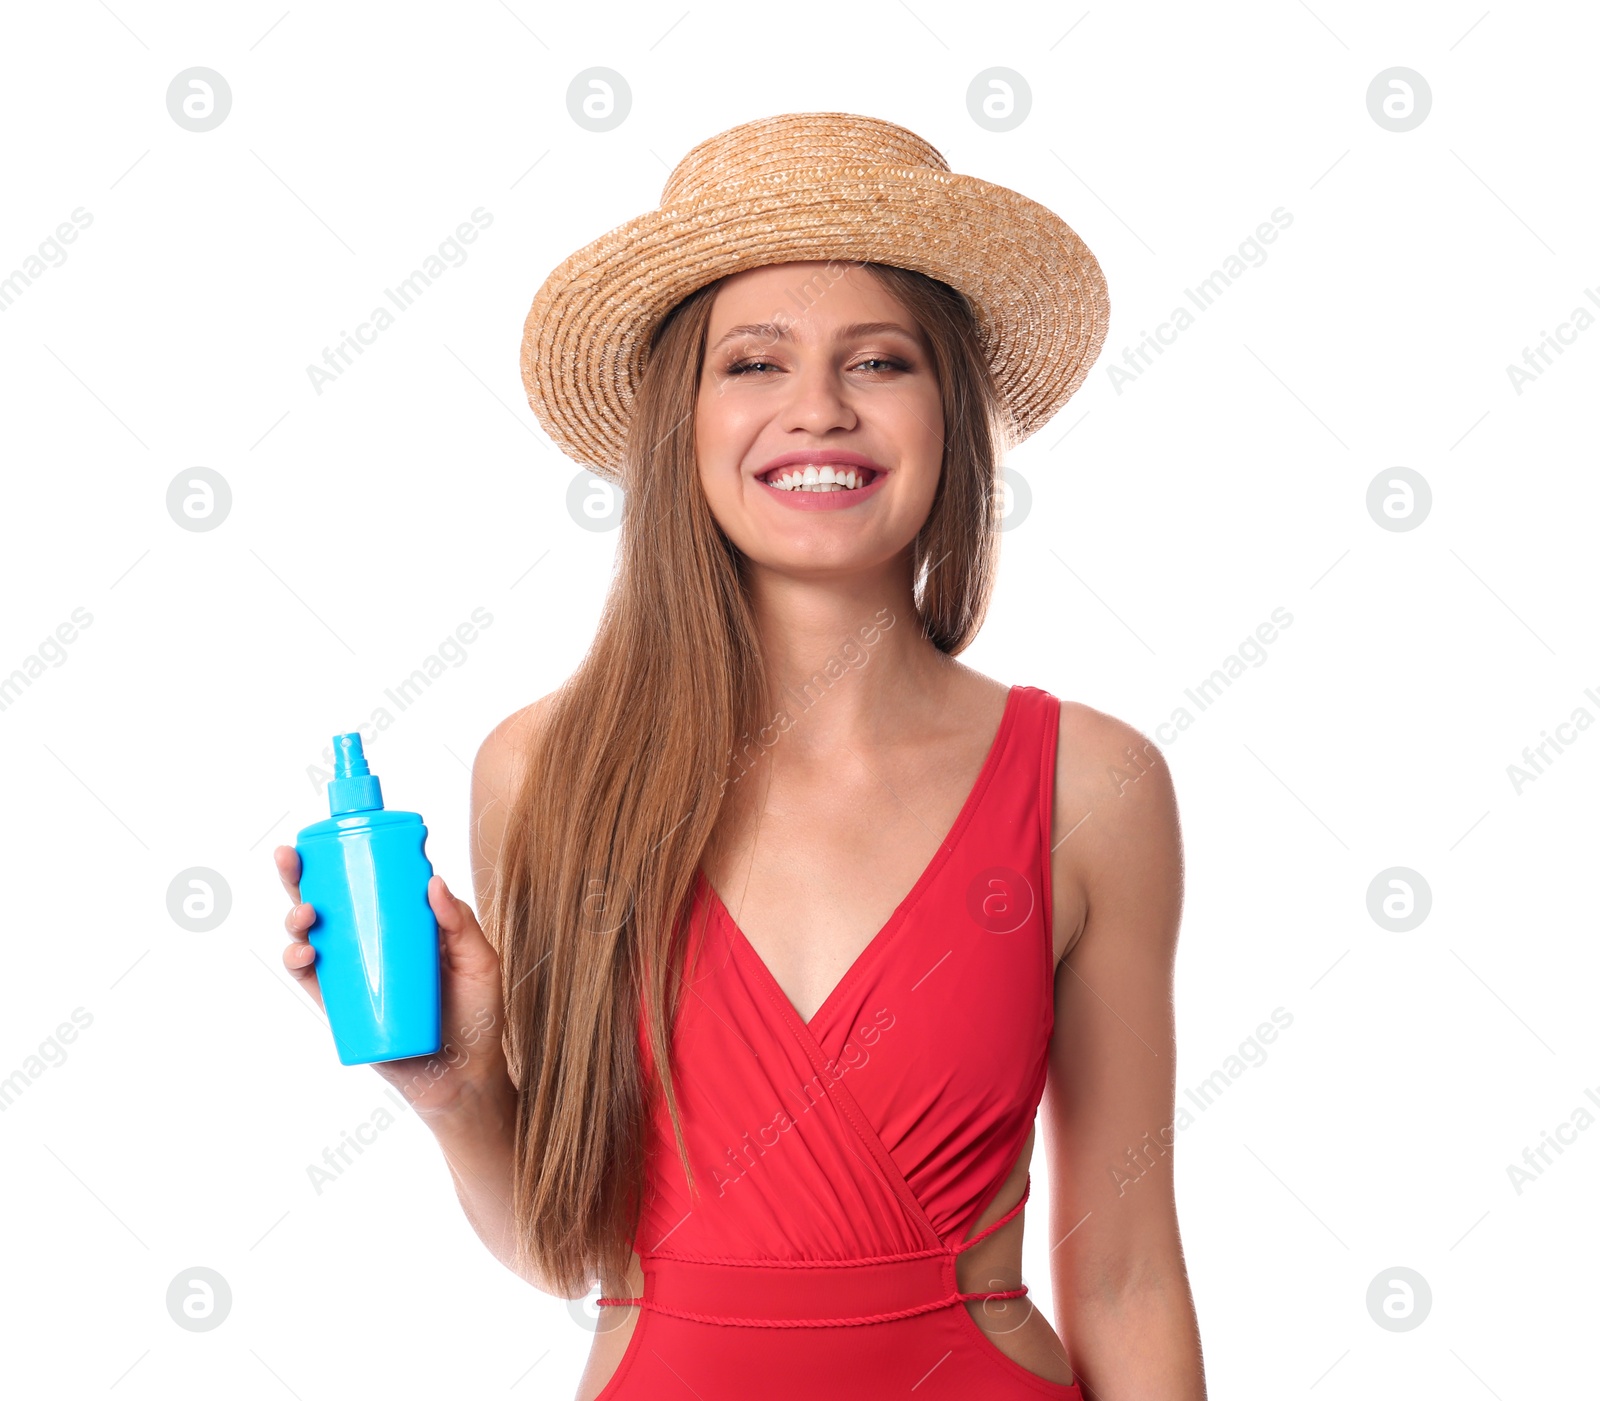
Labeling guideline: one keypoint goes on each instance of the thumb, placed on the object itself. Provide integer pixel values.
(455, 916)
(461, 939)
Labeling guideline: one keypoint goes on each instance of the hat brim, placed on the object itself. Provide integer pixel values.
(1038, 293)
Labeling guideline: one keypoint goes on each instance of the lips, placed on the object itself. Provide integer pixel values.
(826, 474)
(818, 457)
(808, 498)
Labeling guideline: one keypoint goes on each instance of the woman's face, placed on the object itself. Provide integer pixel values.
(819, 362)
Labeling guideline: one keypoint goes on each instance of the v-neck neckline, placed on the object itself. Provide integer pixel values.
(897, 918)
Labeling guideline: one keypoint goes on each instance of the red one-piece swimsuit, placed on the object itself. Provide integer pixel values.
(841, 1163)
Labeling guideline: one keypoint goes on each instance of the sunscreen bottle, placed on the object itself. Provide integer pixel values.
(365, 873)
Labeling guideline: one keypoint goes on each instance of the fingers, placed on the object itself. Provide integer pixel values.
(287, 860)
(299, 957)
(301, 962)
(299, 921)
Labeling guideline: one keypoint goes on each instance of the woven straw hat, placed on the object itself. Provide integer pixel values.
(811, 186)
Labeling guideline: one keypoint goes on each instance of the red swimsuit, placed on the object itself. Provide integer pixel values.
(841, 1163)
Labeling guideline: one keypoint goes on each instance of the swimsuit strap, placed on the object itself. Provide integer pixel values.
(996, 1225)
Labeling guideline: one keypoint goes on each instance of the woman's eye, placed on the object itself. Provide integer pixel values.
(742, 367)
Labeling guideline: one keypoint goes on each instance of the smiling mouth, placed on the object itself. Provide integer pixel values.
(813, 478)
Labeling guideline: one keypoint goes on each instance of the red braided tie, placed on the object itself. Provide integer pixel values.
(818, 1322)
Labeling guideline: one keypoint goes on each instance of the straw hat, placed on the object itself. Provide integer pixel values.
(811, 186)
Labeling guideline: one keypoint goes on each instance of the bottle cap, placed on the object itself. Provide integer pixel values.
(353, 787)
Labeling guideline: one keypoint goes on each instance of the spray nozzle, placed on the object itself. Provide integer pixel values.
(349, 760)
(353, 787)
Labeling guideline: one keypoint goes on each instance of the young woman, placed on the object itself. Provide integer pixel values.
(793, 920)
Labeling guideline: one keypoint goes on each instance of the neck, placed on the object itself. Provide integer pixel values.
(845, 657)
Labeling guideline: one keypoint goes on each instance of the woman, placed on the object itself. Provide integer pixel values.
(864, 907)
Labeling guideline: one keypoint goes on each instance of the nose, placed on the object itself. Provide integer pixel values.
(816, 401)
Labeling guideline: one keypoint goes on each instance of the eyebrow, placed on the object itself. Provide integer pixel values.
(771, 331)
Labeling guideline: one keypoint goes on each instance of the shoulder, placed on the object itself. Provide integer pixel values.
(500, 756)
(496, 775)
(1099, 756)
(1115, 816)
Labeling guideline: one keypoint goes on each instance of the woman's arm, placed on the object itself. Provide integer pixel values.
(475, 1135)
(476, 1131)
(1122, 1295)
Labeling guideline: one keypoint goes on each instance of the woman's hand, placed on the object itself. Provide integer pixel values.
(471, 1060)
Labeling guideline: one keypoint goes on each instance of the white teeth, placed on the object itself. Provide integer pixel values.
(814, 478)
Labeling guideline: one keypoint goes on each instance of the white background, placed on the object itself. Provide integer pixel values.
(1167, 522)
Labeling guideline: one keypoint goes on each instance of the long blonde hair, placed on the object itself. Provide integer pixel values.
(622, 791)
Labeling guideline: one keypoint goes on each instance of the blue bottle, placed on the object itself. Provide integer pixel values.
(365, 873)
